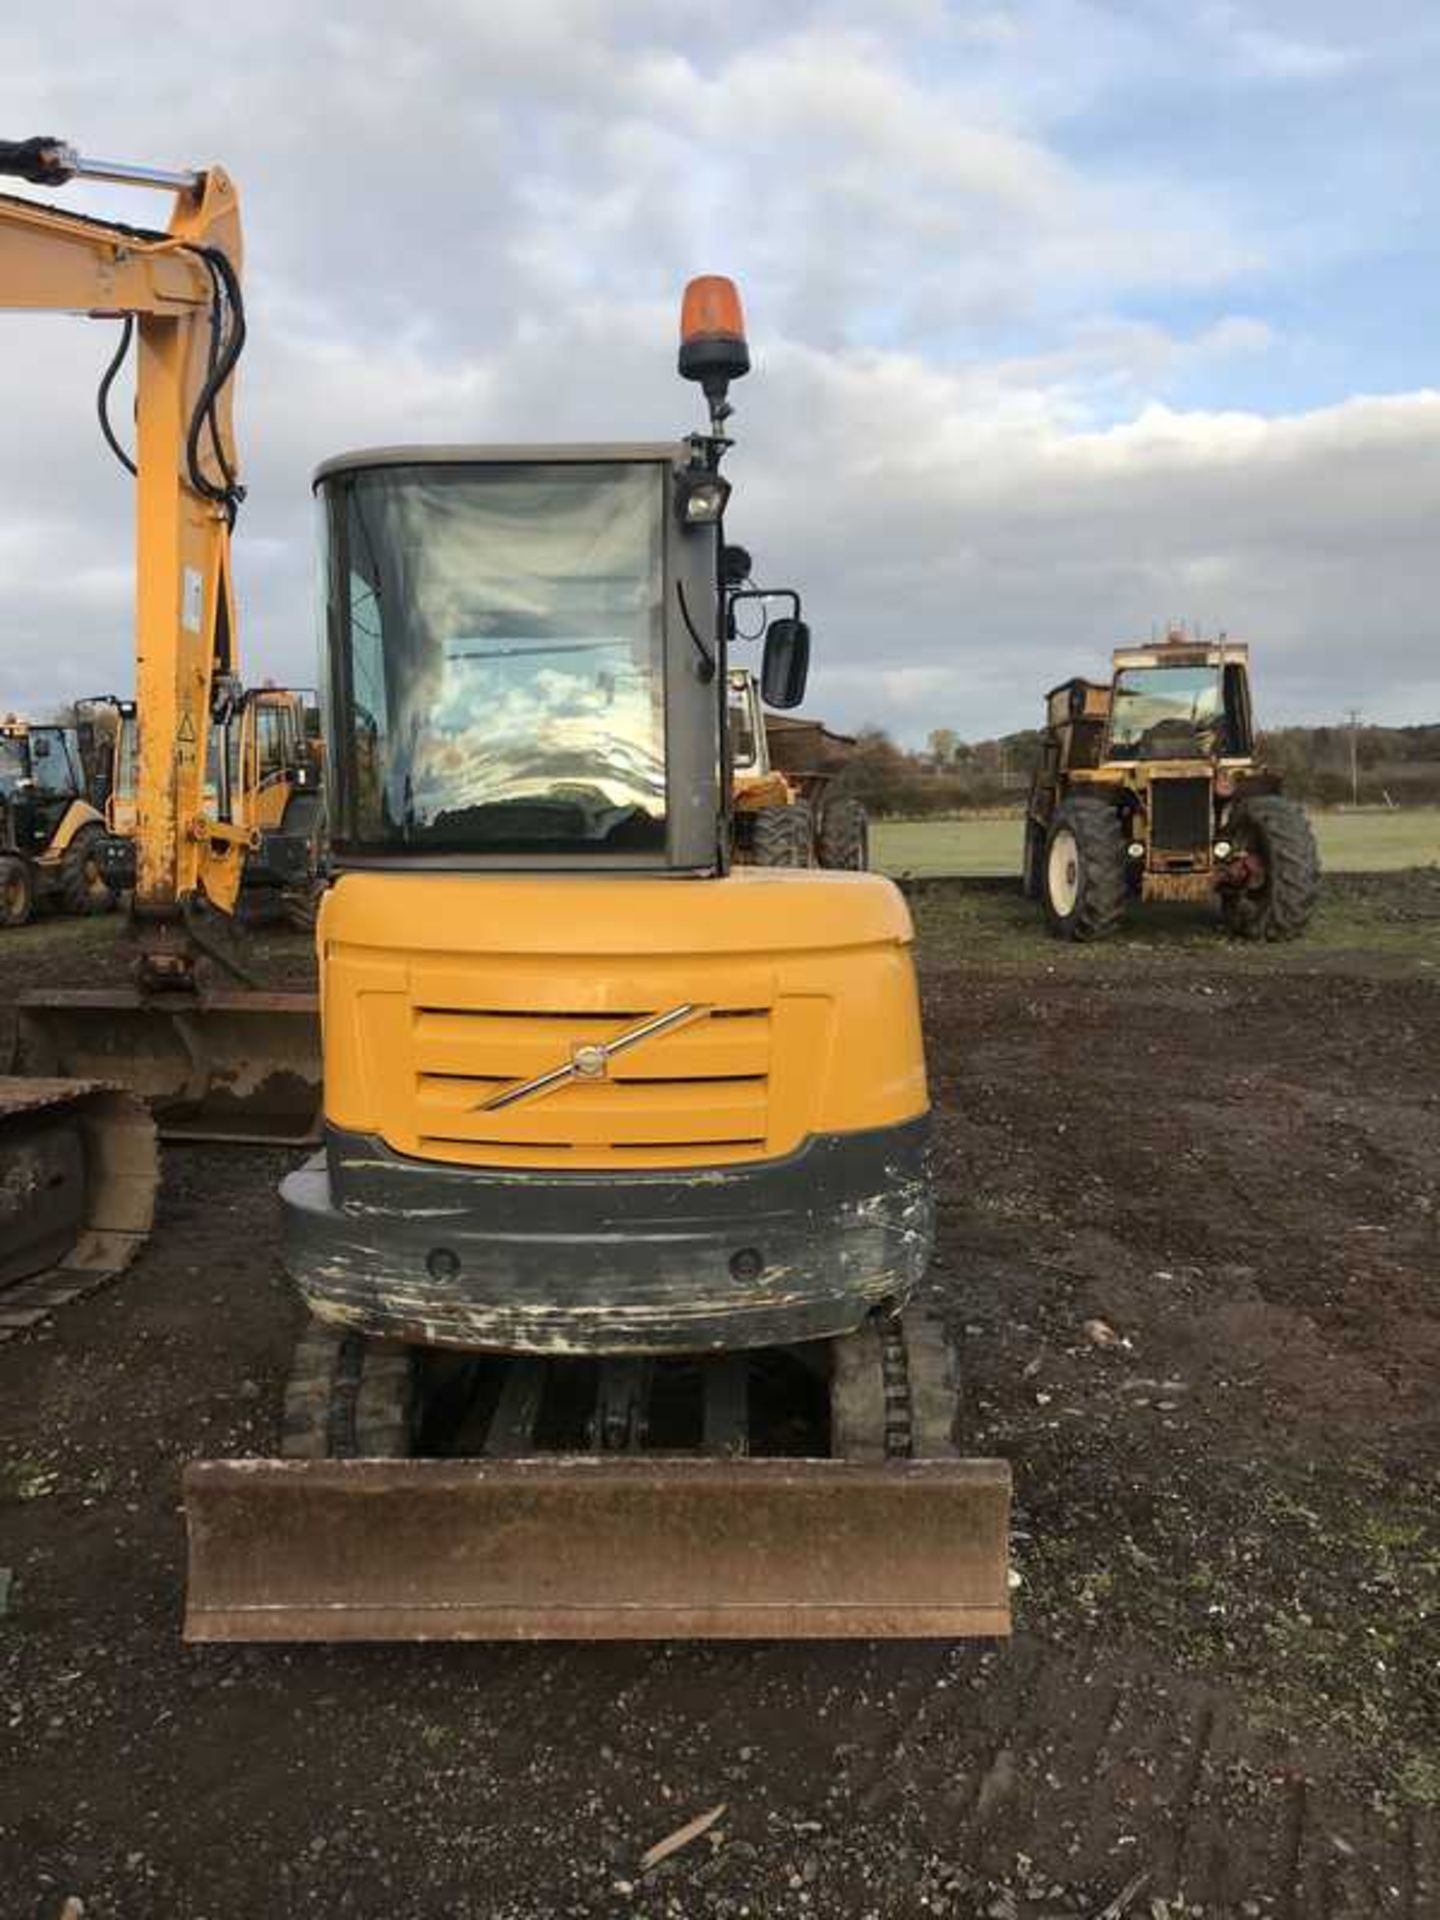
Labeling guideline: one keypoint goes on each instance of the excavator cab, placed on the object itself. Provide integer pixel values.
(524, 659)
(624, 1187)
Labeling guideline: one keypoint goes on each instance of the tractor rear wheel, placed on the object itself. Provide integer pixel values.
(1033, 871)
(1083, 876)
(1274, 830)
(16, 894)
(782, 836)
(845, 836)
(304, 816)
(83, 886)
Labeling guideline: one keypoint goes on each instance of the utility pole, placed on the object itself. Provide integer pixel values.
(1354, 718)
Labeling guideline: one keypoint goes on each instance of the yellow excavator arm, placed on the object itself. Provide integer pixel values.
(179, 292)
(249, 1068)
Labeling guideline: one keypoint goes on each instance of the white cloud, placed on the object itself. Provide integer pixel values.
(1265, 50)
(962, 438)
(1273, 56)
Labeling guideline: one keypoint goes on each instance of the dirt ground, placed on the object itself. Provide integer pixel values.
(1223, 1696)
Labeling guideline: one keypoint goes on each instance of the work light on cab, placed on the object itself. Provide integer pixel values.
(700, 497)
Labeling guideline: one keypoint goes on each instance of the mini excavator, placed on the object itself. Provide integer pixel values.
(624, 1186)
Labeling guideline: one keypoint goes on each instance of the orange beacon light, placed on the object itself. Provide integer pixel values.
(712, 334)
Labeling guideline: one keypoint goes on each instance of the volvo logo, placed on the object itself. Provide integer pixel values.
(591, 1061)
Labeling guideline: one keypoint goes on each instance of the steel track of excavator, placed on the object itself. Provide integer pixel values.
(78, 1175)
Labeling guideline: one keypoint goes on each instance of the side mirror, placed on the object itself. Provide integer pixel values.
(786, 664)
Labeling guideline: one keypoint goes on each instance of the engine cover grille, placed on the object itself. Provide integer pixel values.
(1180, 816)
(700, 1095)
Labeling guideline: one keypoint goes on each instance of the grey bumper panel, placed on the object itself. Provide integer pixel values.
(676, 1261)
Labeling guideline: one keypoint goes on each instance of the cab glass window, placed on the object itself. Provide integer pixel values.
(270, 738)
(502, 658)
(50, 765)
(744, 747)
(14, 763)
(1167, 713)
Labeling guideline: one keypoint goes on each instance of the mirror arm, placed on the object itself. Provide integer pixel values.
(737, 594)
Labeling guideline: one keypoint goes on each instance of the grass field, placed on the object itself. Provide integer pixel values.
(1349, 843)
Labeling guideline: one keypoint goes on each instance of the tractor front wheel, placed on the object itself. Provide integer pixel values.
(83, 886)
(782, 836)
(1273, 836)
(16, 896)
(1083, 876)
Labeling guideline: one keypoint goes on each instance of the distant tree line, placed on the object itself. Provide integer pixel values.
(1327, 766)
(1332, 766)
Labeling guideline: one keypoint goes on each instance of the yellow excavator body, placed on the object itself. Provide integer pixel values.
(441, 991)
(579, 1073)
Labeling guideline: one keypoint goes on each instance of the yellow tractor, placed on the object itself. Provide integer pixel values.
(625, 1179)
(51, 836)
(784, 817)
(264, 762)
(1148, 789)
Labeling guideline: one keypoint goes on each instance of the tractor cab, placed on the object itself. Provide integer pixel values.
(110, 743)
(749, 753)
(41, 774)
(50, 833)
(1180, 702)
(263, 772)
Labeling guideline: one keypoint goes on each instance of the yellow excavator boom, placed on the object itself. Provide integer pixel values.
(180, 291)
(177, 291)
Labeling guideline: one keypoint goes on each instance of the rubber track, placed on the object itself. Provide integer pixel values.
(349, 1398)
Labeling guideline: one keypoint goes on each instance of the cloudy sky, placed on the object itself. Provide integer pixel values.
(1070, 317)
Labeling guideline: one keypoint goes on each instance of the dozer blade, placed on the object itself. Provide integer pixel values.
(598, 1548)
(235, 1065)
(78, 1173)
